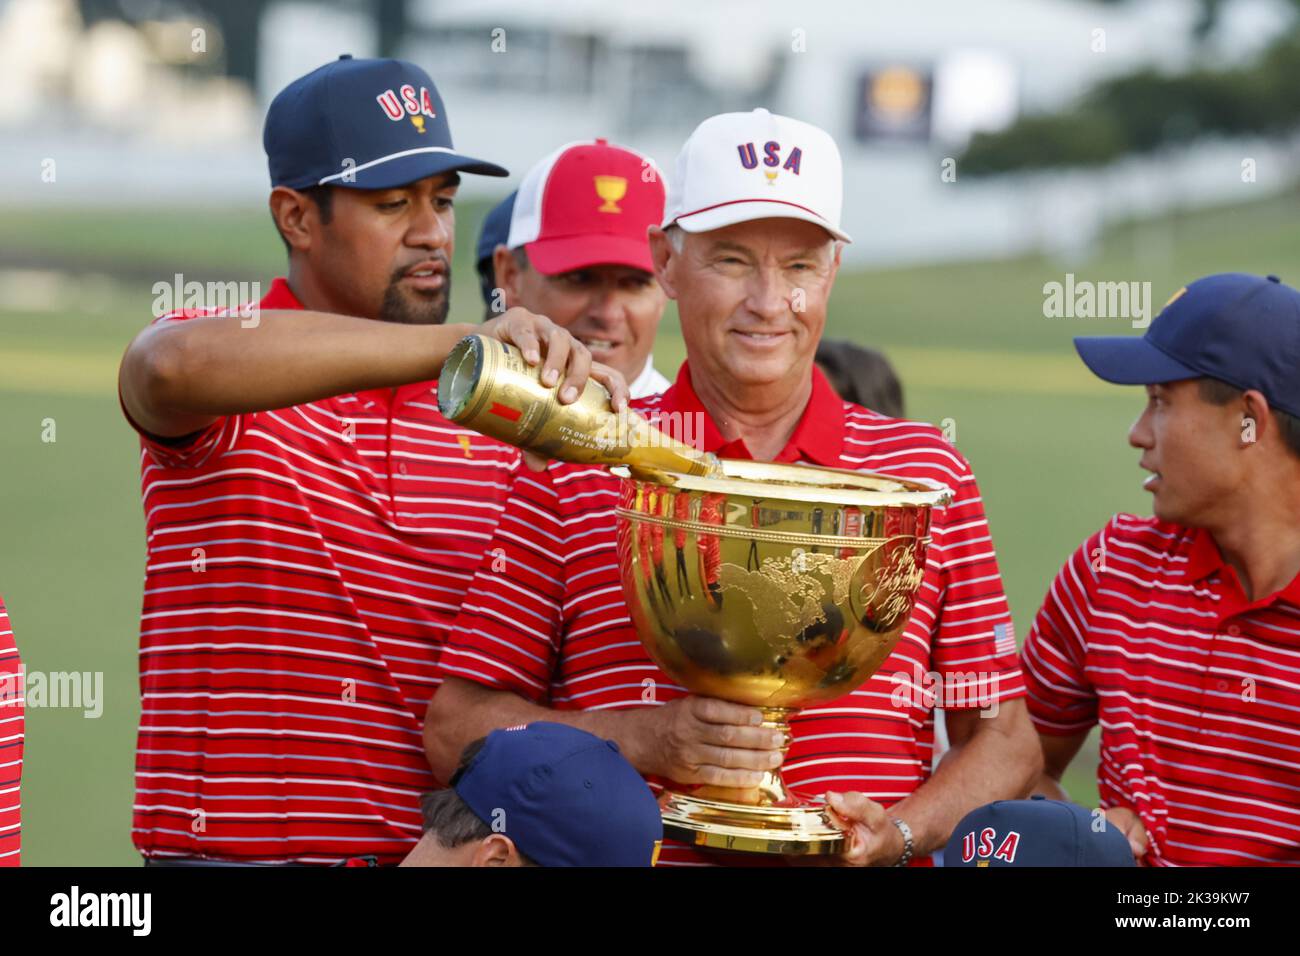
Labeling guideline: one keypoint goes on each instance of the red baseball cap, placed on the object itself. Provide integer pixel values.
(586, 204)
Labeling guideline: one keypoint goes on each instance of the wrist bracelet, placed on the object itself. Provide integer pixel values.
(904, 829)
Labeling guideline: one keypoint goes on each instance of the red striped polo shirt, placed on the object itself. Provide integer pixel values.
(303, 568)
(545, 616)
(11, 743)
(1147, 631)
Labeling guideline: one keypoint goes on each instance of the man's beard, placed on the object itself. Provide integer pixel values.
(414, 308)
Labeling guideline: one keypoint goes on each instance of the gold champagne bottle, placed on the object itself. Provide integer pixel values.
(486, 385)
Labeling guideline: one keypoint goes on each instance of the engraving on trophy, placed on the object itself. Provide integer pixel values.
(885, 598)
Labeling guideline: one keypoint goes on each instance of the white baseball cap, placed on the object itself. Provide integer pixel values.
(737, 167)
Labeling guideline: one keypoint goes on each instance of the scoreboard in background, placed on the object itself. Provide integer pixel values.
(962, 93)
(894, 103)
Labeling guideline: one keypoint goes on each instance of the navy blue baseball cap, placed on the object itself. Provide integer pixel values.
(1238, 328)
(363, 124)
(1036, 832)
(494, 232)
(564, 796)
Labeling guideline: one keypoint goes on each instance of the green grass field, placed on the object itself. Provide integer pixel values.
(970, 342)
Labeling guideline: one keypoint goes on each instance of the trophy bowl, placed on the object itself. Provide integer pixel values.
(775, 586)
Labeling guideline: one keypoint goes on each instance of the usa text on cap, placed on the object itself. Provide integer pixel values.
(1036, 832)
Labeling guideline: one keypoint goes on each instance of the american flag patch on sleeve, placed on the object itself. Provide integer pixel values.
(1004, 638)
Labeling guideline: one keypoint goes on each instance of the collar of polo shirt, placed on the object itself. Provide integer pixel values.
(819, 436)
(1204, 558)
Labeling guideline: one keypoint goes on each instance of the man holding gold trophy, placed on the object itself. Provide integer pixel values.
(755, 633)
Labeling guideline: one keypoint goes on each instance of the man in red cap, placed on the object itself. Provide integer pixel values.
(577, 252)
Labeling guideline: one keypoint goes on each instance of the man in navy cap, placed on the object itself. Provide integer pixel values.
(312, 520)
(546, 795)
(1180, 633)
(1036, 832)
(494, 232)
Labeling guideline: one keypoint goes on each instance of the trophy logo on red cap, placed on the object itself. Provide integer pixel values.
(611, 189)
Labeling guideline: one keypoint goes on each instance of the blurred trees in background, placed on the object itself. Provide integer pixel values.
(1147, 110)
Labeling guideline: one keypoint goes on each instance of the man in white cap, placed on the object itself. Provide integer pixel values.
(749, 250)
(577, 252)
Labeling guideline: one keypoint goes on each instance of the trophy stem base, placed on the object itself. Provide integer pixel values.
(789, 831)
(768, 819)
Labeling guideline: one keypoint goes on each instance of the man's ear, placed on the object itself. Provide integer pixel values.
(498, 849)
(663, 255)
(507, 274)
(296, 215)
(1257, 418)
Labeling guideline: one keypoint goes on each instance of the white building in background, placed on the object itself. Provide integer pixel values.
(901, 86)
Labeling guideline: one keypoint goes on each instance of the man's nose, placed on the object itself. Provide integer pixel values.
(768, 294)
(605, 307)
(1139, 433)
(428, 229)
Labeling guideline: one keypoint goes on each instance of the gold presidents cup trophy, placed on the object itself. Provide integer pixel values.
(775, 586)
(771, 585)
